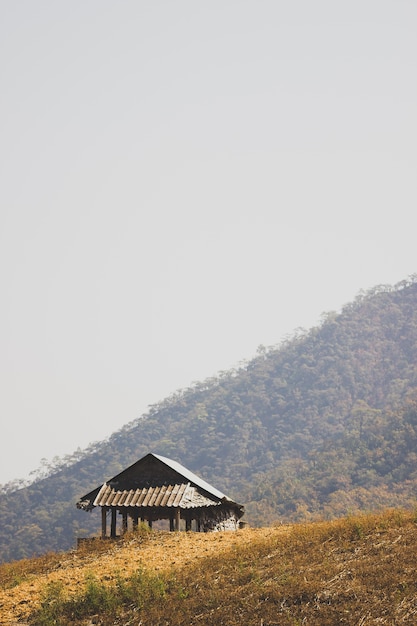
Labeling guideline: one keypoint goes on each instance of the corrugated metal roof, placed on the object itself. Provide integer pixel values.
(193, 478)
(180, 495)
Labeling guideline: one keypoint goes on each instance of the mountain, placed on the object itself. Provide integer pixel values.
(322, 425)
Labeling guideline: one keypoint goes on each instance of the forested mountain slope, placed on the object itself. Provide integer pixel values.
(323, 425)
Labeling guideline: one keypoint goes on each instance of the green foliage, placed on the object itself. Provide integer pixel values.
(321, 426)
(51, 603)
(97, 597)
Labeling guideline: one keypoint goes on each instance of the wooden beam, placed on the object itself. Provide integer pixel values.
(103, 522)
(177, 519)
(113, 524)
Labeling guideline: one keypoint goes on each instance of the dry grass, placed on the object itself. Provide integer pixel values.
(358, 571)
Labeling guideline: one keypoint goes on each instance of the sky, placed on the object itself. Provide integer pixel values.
(182, 182)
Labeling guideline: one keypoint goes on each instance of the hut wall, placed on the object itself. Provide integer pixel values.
(219, 519)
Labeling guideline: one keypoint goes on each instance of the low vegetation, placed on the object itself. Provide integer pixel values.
(357, 570)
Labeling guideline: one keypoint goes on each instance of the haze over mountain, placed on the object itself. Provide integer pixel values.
(319, 426)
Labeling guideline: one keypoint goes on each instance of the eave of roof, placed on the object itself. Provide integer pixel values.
(180, 495)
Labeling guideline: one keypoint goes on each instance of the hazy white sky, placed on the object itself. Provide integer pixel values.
(182, 181)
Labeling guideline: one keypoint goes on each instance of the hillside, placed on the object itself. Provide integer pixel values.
(358, 570)
(323, 425)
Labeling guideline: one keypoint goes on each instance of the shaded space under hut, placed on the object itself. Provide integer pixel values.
(157, 488)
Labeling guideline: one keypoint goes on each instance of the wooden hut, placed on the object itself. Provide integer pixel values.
(157, 488)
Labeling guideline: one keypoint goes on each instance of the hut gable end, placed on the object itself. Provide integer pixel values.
(149, 471)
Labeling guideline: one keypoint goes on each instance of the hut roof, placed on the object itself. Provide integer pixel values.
(156, 481)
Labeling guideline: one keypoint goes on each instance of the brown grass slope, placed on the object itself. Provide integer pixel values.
(358, 570)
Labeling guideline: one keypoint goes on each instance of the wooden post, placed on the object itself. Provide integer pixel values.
(171, 524)
(135, 522)
(124, 522)
(188, 525)
(177, 519)
(103, 522)
(113, 524)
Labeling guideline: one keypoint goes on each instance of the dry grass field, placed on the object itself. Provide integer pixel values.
(357, 571)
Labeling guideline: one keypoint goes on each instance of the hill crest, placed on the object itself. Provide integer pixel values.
(355, 570)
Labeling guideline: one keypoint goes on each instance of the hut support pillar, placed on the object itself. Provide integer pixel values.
(103, 522)
(188, 524)
(171, 524)
(113, 524)
(177, 519)
(124, 523)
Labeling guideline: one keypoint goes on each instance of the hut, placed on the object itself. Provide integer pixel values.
(157, 488)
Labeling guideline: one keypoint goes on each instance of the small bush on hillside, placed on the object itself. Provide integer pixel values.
(97, 597)
(51, 602)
